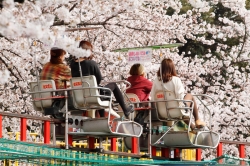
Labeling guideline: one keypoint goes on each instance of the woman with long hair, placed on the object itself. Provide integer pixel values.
(167, 74)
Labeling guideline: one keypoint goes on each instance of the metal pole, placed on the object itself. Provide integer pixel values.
(66, 121)
(149, 134)
(54, 133)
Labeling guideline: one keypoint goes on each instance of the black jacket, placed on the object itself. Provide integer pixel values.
(88, 67)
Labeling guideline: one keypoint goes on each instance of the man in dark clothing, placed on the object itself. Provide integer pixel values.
(90, 67)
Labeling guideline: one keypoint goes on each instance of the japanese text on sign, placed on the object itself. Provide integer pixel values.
(139, 56)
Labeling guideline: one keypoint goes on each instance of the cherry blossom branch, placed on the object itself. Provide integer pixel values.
(73, 7)
(244, 40)
(7, 66)
(6, 38)
(11, 52)
(59, 23)
(137, 29)
(110, 31)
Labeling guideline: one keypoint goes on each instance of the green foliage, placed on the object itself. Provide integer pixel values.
(199, 49)
(194, 48)
(248, 4)
(185, 6)
(170, 11)
(18, 1)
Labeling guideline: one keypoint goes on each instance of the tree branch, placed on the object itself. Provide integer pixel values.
(73, 7)
(5, 38)
(11, 71)
(13, 66)
(12, 52)
(59, 23)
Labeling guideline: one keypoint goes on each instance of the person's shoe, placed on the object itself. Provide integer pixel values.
(199, 123)
(130, 109)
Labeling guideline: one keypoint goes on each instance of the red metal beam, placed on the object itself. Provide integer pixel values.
(1, 126)
(134, 148)
(176, 153)
(153, 151)
(242, 151)
(23, 129)
(91, 142)
(113, 145)
(165, 152)
(198, 154)
(219, 150)
(46, 132)
(70, 140)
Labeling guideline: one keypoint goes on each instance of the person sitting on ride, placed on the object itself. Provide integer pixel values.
(173, 83)
(140, 85)
(90, 67)
(55, 69)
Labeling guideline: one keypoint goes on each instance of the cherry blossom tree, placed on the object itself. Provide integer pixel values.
(214, 58)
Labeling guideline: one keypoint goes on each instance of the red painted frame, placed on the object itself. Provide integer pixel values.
(1, 126)
(113, 145)
(165, 152)
(153, 151)
(198, 154)
(46, 132)
(23, 134)
(219, 150)
(242, 151)
(91, 142)
(134, 148)
(176, 153)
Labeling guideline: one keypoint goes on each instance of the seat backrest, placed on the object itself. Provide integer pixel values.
(90, 95)
(42, 85)
(132, 97)
(170, 106)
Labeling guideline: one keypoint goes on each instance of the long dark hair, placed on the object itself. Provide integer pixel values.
(55, 55)
(168, 70)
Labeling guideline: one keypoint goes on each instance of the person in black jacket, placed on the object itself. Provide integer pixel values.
(90, 67)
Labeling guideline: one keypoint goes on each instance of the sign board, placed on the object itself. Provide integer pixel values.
(140, 55)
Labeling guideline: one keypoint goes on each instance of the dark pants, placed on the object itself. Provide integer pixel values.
(118, 96)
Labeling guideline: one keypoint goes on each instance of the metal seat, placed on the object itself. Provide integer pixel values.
(132, 97)
(170, 109)
(86, 96)
(139, 106)
(89, 98)
(44, 98)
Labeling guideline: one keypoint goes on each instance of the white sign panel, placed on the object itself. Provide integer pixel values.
(140, 56)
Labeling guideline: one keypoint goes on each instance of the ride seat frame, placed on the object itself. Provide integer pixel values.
(175, 111)
(89, 98)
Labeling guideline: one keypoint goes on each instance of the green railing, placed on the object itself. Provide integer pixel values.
(24, 152)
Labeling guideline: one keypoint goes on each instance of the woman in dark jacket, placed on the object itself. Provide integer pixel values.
(139, 84)
(90, 67)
